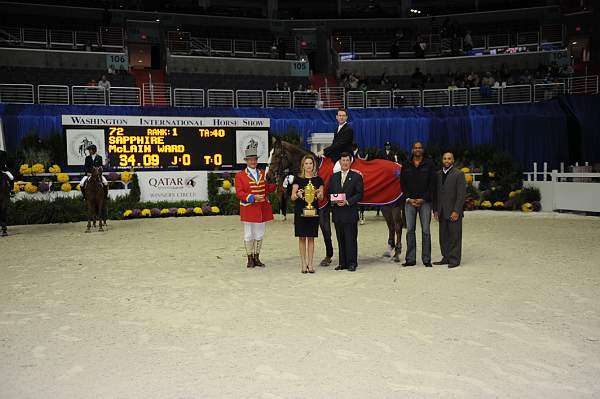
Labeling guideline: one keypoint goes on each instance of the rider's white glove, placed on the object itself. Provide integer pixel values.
(287, 181)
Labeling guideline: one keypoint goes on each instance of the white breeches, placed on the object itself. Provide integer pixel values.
(104, 181)
(254, 231)
(10, 176)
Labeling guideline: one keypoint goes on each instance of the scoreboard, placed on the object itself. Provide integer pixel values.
(164, 143)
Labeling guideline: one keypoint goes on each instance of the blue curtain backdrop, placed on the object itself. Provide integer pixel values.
(530, 132)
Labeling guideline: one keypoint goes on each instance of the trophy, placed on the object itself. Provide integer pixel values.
(310, 194)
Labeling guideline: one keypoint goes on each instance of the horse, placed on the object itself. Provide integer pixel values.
(94, 198)
(285, 155)
(5, 188)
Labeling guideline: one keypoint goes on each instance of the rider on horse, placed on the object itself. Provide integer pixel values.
(342, 140)
(93, 160)
(4, 166)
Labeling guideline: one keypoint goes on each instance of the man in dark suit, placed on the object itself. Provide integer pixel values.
(4, 169)
(342, 139)
(93, 160)
(448, 209)
(345, 213)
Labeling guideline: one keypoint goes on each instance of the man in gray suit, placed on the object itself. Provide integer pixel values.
(448, 209)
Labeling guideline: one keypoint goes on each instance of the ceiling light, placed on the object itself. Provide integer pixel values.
(574, 43)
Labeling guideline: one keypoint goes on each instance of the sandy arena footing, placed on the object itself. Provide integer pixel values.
(166, 309)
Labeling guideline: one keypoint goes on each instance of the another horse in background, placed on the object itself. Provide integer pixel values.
(94, 199)
(382, 188)
(5, 188)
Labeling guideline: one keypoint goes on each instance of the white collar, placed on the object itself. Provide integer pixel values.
(447, 170)
(341, 126)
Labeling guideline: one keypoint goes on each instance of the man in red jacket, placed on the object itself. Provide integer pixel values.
(251, 189)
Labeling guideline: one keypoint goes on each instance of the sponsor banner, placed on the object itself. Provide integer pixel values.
(173, 186)
(258, 138)
(161, 121)
(77, 142)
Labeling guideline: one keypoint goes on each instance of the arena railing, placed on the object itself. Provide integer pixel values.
(459, 97)
(278, 99)
(220, 98)
(483, 96)
(379, 99)
(88, 95)
(436, 98)
(327, 97)
(406, 98)
(582, 85)
(158, 94)
(547, 91)
(188, 97)
(305, 99)
(124, 96)
(16, 93)
(332, 97)
(516, 94)
(105, 37)
(249, 98)
(53, 94)
(355, 99)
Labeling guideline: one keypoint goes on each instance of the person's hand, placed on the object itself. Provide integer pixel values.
(320, 153)
(320, 195)
(436, 216)
(454, 216)
(300, 193)
(259, 198)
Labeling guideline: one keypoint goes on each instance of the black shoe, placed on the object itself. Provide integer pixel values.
(442, 262)
(451, 266)
(326, 261)
(408, 264)
(352, 269)
(428, 264)
(340, 267)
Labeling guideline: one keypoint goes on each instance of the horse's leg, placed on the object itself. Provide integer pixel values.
(3, 216)
(398, 216)
(325, 224)
(89, 212)
(100, 212)
(386, 211)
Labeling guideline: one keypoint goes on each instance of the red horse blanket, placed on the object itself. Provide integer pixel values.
(380, 177)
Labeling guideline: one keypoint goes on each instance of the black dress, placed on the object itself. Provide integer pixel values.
(306, 226)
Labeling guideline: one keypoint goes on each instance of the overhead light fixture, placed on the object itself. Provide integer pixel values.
(574, 43)
(157, 20)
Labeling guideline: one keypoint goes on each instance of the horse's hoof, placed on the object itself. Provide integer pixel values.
(4, 234)
(87, 231)
(396, 258)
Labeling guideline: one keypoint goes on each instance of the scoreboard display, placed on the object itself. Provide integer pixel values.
(165, 143)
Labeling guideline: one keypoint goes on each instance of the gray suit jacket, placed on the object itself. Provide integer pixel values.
(450, 196)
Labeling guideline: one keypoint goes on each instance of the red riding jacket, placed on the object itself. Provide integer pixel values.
(246, 187)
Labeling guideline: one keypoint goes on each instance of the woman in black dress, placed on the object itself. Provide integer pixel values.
(306, 228)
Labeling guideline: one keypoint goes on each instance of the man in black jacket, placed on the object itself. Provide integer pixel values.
(345, 212)
(93, 160)
(4, 169)
(418, 180)
(342, 139)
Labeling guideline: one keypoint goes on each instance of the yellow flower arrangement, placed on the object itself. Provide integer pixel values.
(30, 188)
(486, 204)
(54, 169)
(198, 210)
(145, 212)
(38, 168)
(62, 178)
(226, 185)
(498, 204)
(527, 207)
(126, 177)
(66, 187)
(492, 174)
(215, 209)
(127, 213)
(466, 170)
(469, 179)
(25, 169)
(164, 211)
(16, 188)
(181, 211)
(512, 194)
(78, 188)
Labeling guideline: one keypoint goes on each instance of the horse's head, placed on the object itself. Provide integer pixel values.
(284, 156)
(96, 173)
